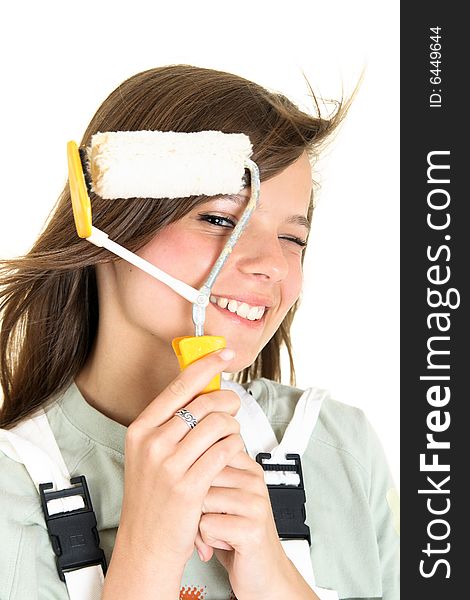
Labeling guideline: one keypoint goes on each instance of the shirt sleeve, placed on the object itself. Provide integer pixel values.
(384, 505)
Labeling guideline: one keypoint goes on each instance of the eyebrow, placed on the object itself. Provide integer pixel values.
(299, 220)
(241, 201)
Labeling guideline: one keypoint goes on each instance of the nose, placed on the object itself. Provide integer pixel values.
(260, 254)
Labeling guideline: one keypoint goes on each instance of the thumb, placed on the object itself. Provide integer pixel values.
(205, 552)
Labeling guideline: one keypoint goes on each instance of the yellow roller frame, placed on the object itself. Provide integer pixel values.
(189, 348)
(80, 200)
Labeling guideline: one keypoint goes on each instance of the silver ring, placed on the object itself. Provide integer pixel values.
(187, 417)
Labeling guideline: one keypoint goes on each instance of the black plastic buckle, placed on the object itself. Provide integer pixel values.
(73, 534)
(287, 501)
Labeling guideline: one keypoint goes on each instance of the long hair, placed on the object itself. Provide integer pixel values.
(49, 298)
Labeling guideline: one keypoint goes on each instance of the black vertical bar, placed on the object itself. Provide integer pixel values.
(434, 272)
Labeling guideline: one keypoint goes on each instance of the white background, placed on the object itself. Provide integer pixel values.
(61, 59)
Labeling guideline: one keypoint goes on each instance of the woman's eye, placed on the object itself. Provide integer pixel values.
(299, 241)
(225, 222)
(217, 220)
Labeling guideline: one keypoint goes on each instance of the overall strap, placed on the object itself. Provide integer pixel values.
(260, 442)
(32, 443)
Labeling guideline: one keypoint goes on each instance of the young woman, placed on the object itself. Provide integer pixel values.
(88, 338)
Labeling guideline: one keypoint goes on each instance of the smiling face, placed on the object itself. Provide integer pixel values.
(258, 284)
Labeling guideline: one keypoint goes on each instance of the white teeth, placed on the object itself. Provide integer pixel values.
(232, 306)
(252, 313)
(243, 310)
(222, 302)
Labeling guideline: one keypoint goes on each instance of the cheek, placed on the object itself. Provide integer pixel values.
(166, 249)
(290, 292)
(185, 256)
(293, 284)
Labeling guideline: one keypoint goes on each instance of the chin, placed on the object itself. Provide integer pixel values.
(239, 363)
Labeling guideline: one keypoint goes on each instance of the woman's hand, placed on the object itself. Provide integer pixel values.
(170, 468)
(239, 524)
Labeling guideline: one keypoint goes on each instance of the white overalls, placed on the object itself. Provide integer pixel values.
(32, 443)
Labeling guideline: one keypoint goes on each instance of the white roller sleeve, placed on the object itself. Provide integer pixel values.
(167, 164)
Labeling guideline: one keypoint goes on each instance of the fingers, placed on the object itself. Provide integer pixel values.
(239, 477)
(238, 500)
(244, 462)
(219, 401)
(216, 427)
(200, 476)
(254, 529)
(228, 532)
(184, 388)
(231, 501)
(205, 552)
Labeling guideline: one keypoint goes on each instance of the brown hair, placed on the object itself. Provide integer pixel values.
(49, 299)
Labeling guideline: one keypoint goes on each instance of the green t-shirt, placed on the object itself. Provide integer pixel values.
(347, 484)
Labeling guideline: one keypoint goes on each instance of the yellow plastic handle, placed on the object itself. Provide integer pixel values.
(188, 349)
(80, 200)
